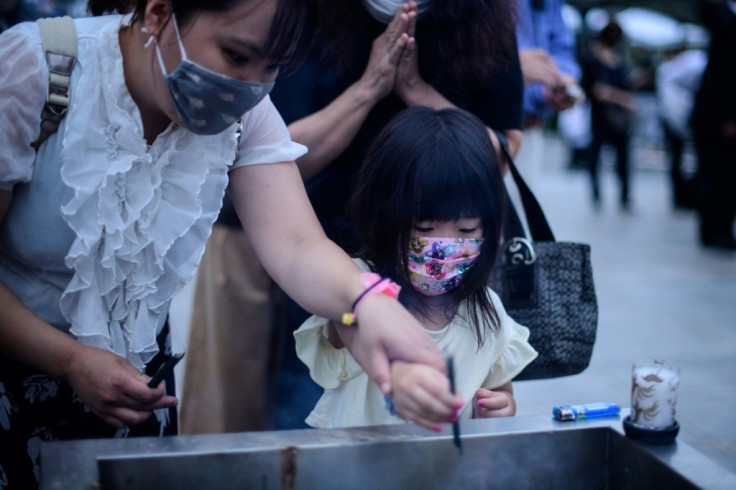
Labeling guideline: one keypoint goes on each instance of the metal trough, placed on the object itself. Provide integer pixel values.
(523, 452)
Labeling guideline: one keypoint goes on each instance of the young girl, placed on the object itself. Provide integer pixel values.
(428, 208)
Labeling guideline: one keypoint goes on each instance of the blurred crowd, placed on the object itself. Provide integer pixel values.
(684, 69)
(14, 11)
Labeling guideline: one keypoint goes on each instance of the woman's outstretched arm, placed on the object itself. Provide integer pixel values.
(278, 218)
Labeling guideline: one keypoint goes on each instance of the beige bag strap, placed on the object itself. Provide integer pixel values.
(59, 39)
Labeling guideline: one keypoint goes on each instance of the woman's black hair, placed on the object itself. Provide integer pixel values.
(470, 38)
(286, 41)
(437, 166)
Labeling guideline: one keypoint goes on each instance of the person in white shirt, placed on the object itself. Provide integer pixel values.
(107, 220)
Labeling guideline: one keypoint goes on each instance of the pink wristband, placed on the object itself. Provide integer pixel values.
(375, 284)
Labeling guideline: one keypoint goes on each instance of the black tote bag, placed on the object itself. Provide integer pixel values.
(548, 287)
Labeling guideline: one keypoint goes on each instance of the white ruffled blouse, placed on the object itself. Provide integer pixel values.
(351, 399)
(104, 229)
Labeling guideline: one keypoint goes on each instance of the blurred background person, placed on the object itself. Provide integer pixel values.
(15, 11)
(714, 129)
(551, 74)
(677, 80)
(612, 107)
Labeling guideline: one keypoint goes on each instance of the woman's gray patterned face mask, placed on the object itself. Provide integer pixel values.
(207, 102)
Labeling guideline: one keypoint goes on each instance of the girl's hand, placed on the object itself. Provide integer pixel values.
(495, 403)
(422, 395)
(379, 76)
(113, 388)
(387, 332)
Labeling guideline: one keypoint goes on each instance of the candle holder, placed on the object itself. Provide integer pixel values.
(654, 386)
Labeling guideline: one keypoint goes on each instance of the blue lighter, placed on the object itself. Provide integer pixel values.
(587, 411)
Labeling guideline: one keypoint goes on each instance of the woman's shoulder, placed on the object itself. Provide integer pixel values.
(23, 90)
(25, 35)
(92, 27)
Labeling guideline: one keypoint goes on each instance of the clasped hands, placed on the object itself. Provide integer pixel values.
(393, 65)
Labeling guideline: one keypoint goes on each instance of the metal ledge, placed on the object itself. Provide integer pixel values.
(526, 452)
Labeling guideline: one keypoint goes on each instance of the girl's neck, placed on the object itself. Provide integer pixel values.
(437, 313)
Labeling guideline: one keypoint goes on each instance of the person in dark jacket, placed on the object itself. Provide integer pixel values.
(714, 129)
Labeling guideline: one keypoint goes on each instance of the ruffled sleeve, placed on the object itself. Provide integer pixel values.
(265, 138)
(517, 353)
(23, 87)
(328, 366)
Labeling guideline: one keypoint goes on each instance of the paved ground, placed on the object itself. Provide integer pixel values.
(660, 296)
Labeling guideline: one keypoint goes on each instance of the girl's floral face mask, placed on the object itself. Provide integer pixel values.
(437, 265)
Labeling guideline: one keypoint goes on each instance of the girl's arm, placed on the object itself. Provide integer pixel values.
(329, 131)
(276, 214)
(108, 384)
(499, 402)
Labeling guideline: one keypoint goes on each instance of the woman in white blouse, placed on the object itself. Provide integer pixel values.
(107, 221)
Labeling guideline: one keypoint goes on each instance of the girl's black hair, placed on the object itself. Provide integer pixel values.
(437, 166)
(286, 43)
(470, 38)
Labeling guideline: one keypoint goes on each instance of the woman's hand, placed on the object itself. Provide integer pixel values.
(380, 73)
(410, 87)
(408, 79)
(495, 403)
(422, 394)
(387, 332)
(113, 388)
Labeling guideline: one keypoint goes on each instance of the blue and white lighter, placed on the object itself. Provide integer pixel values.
(587, 411)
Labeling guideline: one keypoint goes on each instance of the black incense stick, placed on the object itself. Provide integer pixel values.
(456, 424)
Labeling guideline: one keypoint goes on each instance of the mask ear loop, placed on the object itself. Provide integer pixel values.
(178, 38)
(151, 39)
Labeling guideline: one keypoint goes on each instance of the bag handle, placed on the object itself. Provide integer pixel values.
(538, 226)
(59, 40)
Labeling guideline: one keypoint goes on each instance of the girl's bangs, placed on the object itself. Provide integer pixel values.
(447, 195)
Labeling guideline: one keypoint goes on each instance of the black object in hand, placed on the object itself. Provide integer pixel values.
(165, 369)
(456, 424)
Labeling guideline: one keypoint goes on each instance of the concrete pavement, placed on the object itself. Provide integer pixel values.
(660, 295)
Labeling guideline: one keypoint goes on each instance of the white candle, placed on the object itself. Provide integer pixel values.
(654, 393)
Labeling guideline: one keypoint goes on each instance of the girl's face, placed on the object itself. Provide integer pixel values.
(441, 253)
(462, 228)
